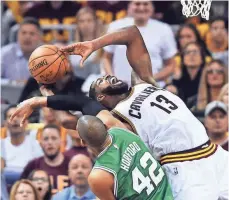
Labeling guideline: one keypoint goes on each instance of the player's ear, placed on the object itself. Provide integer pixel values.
(100, 97)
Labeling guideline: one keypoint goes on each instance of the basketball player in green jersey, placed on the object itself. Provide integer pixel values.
(124, 168)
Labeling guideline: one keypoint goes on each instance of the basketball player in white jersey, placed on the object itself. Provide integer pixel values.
(196, 168)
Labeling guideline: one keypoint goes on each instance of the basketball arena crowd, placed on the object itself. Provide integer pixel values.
(189, 58)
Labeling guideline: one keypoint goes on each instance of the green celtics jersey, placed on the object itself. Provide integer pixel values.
(137, 175)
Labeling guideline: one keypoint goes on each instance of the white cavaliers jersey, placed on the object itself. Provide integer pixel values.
(161, 119)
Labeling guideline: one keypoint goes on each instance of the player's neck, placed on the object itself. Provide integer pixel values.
(56, 161)
(123, 96)
(106, 144)
(117, 99)
(18, 139)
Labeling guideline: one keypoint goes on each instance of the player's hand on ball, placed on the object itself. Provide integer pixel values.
(84, 49)
(25, 108)
(45, 91)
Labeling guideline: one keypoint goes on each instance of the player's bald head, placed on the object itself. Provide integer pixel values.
(92, 131)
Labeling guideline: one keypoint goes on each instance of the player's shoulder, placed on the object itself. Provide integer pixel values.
(100, 178)
(141, 85)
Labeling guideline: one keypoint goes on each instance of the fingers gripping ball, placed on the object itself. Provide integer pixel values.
(47, 64)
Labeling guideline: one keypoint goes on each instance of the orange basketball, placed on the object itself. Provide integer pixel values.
(47, 64)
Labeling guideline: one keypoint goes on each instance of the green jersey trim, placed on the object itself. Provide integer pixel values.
(114, 174)
(126, 130)
(104, 150)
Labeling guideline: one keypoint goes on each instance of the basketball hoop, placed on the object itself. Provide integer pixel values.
(195, 7)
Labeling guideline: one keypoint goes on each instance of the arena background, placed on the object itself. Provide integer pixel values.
(195, 50)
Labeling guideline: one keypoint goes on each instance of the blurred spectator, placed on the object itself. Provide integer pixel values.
(166, 9)
(69, 121)
(213, 78)
(69, 84)
(108, 11)
(172, 88)
(54, 13)
(159, 40)
(79, 169)
(223, 95)
(24, 189)
(18, 148)
(219, 8)
(76, 148)
(13, 15)
(186, 34)
(88, 28)
(4, 192)
(217, 38)
(6, 129)
(41, 182)
(53, 161)
(48, 116)
(216, 123)
(193, 62)
(15, 56)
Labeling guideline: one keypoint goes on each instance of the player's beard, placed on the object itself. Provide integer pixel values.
(116, 89)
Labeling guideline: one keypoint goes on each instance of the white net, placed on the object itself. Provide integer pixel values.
(195, 7)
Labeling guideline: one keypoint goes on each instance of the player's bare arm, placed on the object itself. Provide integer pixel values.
(102, 184)
(110, 121)
(167, 70)
(137, 53)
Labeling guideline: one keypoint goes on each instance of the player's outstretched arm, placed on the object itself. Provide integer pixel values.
(65, 102)
(102, 184)
(137, 53)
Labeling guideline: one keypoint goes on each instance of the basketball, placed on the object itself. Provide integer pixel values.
(47, 64)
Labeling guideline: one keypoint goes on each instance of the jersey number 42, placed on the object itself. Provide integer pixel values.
(140, 182)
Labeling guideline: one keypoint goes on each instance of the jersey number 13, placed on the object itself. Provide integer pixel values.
(163, 99)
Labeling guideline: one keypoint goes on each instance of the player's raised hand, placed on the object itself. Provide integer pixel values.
(84, 49)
